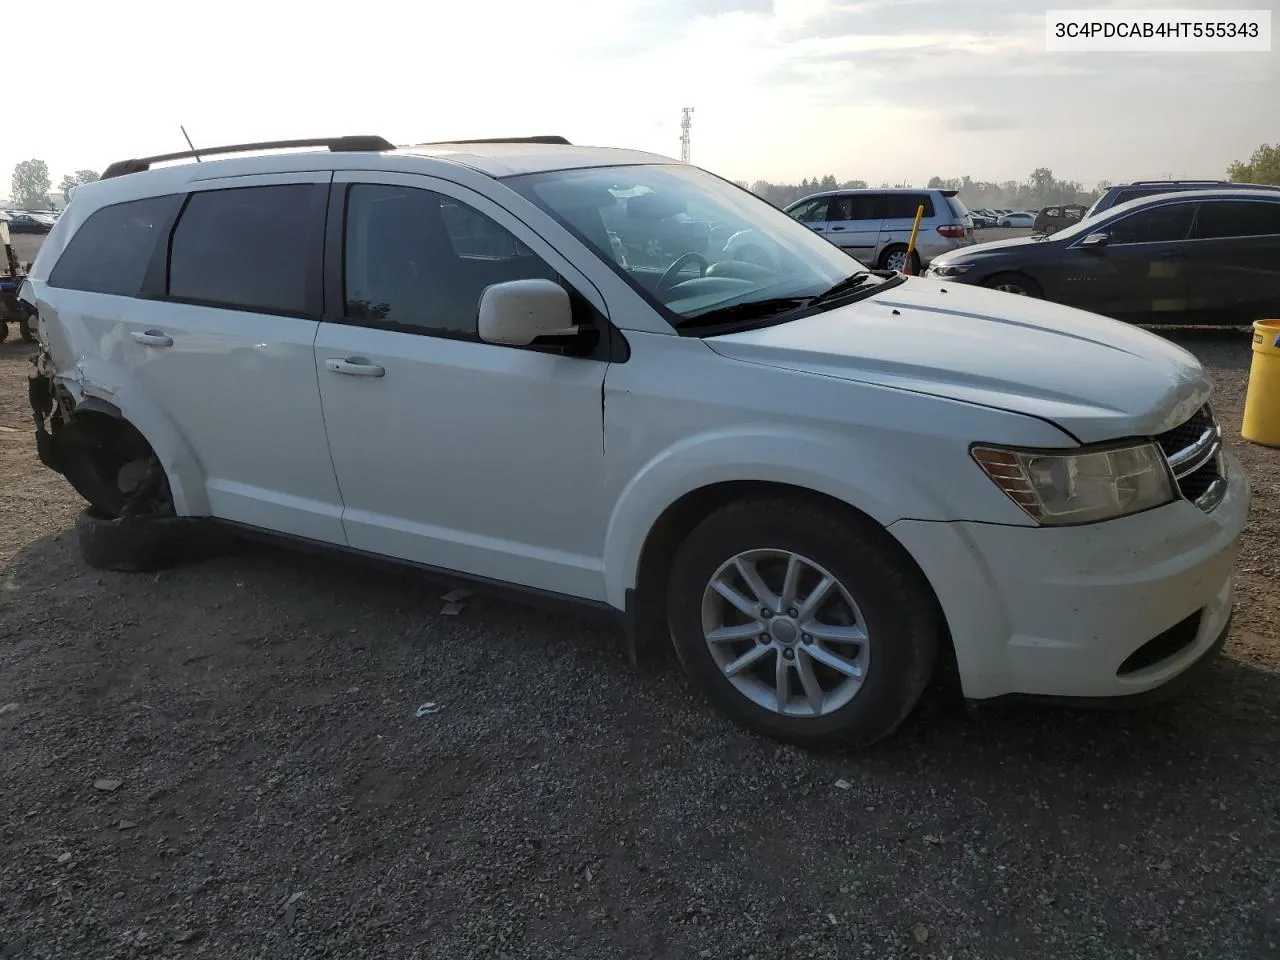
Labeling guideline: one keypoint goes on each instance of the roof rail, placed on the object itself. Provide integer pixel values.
(1156, 183)
(335, 145)
(552, 139)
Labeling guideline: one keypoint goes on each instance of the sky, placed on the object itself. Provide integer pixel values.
(879, 90)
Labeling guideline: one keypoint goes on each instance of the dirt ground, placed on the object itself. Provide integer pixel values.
(279, 797)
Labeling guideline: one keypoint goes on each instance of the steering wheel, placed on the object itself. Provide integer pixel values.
(667, 280)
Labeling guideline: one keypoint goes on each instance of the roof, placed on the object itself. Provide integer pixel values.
(497, 157)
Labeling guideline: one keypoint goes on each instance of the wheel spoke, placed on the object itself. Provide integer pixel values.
(791, 582)
(835, 634)
(809, 680)
(815, 598)
(745, 631)
(735, 667)
(782, 683)
(751, 577)
(834, 661)
(744, 605)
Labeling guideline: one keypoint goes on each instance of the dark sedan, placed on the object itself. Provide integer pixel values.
(30, 223)
(1200, 257)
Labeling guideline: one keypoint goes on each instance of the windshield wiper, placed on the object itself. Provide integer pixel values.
(751, 310)
(851, 282)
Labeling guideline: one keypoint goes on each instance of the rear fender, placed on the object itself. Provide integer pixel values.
(119, 400)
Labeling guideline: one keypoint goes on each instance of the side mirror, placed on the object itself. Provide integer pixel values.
(522, 313)
(1096, 240)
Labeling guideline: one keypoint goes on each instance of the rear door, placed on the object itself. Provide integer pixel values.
(900, 215)
(225, 347)
(853, 224)
(1235, 261)
(1142, 274)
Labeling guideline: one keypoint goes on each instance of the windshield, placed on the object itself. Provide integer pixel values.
(691, 243)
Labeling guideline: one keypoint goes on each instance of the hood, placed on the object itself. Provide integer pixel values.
(964, 254)
(1097, 378)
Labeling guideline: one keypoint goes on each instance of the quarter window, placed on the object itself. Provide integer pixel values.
(419, 260)
(1219, 219)
(1162, 224)
(111, 250)
(250, 248)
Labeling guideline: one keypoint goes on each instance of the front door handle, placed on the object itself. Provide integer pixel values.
(837, 228)
(354, 367)
(152, 338)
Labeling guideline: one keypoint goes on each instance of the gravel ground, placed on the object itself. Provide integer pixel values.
(225, 761)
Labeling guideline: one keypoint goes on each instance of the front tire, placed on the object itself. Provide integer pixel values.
(1015, 283)
(144, 543)
(802, 623)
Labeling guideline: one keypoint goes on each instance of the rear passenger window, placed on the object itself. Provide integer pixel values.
(418, 260)
(111, 250)
(1237, 218)
(250, 248)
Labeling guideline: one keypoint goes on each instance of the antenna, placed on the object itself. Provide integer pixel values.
(685, 123)
(189, 143)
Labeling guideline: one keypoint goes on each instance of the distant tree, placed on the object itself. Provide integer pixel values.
(30, 186)
(1263, 167)
(73, 180)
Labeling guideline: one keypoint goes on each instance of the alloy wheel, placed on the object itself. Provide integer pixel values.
(786, 633)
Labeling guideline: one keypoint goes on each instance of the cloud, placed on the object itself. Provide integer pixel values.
(979, 121)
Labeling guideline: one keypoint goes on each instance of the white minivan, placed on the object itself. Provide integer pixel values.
(819, 481)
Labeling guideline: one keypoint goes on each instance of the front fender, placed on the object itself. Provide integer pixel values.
(92, 381)
(845, 471)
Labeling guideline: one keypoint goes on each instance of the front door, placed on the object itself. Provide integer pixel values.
(1142, 274)
(449, 451)
(812, 213)
(223, 345)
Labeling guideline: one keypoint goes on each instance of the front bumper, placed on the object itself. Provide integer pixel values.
(1107, 610)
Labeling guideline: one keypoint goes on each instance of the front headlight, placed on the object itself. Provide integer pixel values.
(1081, 487)
(950, 269)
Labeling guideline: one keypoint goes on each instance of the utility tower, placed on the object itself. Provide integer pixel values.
(685, 123)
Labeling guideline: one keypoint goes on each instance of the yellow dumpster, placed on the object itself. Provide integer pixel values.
(1262, 396)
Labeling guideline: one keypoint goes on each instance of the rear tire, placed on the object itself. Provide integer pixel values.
(895, 258)
(140, 544)
(806, 650)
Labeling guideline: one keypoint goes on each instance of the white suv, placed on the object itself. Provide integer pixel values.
(820, 481)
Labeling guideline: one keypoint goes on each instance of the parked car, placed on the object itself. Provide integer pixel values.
(1017, 219)
(1122, 193)
(1054, 218)
(1202, 257)
(30, 223)
(817, 480)
(874, 226)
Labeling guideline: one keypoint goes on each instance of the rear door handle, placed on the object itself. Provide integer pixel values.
(354, 367)
(837, 228)
(152, 338)
(1173, 255)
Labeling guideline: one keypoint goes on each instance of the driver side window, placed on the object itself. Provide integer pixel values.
(418, 261)
(814, 211)
(1163, 224)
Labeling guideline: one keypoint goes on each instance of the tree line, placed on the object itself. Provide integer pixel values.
(31, 184)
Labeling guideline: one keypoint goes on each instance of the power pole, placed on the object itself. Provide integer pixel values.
(685, 123)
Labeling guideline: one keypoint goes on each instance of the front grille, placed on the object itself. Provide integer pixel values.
(1194, 452)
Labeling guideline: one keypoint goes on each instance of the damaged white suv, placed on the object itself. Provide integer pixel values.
(536, 365)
